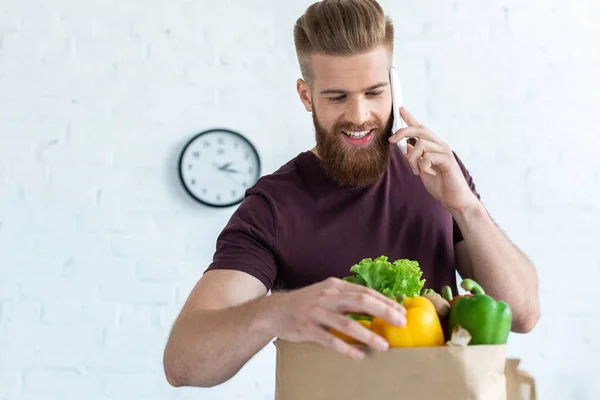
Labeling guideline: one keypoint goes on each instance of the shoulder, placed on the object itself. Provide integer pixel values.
(287, 180)
(263, 199)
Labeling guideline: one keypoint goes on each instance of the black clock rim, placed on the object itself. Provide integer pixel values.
(192, 140)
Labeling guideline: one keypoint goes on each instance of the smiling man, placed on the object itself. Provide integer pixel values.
(353, 196)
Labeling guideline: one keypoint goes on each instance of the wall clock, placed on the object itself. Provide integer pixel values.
(217, 166)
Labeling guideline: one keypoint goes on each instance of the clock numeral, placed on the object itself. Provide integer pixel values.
(233, 193)
(196, 154)
(206, 144)
(190, 166)
(250, 170)
(221, 151)
(247, 155)
(204, 191)
(193, 182)
(235, 145)
(218, 197)
(244, 184)
(220, 140)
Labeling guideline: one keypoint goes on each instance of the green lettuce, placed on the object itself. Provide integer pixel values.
(402, 277)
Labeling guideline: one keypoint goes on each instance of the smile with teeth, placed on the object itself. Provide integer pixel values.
(357, 135)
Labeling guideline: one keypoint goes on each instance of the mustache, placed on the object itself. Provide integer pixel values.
(367, 126)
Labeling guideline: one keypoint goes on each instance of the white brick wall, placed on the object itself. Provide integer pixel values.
(99, 245)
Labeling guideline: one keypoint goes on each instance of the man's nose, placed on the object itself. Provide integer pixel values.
(358, 112)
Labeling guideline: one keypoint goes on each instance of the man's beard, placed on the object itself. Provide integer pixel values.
(352, 166)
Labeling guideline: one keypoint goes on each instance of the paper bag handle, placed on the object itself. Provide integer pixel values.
(525, 378)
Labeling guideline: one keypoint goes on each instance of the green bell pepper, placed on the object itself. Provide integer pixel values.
(488, 321)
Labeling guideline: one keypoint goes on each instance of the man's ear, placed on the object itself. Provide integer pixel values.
(305, 96)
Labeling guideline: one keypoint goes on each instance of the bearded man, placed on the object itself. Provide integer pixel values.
(355, 195)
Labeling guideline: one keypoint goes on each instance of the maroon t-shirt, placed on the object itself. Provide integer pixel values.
(296, 227)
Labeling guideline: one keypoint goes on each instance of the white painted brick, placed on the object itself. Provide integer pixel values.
(544, 190)
(61, 312)
(132, 316)
(135, 292)
(138, 385)
(17, 339)
(68, 312)
(137, 249)
(60, 288)
(10, 197)
(128, 349)
(64, 383)
(139, 189)
(61, 243)
(18, 245)
(73, 197)
(27, 174)
(84, 176)
(64, 354)
(96, 152)
(20, 312)
(17, 149)
(152, 271)
(69, 345)
(22, 221)
(8, 290)
(160, 151)
(10, 384)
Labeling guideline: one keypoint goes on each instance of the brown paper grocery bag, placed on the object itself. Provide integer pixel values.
(310, 371)
(519, 384)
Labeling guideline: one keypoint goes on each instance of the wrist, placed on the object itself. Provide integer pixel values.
(468, 213)
(266, 320)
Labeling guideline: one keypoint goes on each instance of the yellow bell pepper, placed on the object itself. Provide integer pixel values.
(349, 339)
(423, 327)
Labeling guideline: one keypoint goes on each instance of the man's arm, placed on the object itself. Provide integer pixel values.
(487, 256)
(227, 319)
(225, 309)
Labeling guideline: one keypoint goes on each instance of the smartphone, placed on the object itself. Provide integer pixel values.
(398, 122)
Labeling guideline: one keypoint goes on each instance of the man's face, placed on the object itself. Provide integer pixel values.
(351, 106)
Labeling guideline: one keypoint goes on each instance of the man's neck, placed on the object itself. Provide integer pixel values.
(314, 151)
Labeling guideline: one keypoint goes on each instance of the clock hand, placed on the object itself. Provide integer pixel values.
(225, 167)
(220, 168)
(233, 180)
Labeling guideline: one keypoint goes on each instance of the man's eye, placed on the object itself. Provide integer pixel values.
(375, 93)
(338, 98)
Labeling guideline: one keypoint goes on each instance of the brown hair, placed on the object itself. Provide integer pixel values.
(341, 27)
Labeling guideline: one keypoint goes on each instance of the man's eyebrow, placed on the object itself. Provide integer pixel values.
(339, 91)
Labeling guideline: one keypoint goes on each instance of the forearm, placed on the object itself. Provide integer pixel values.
(499, 266)
(206, 348)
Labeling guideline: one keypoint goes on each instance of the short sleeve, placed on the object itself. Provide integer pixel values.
(457, 234)
(247, 243)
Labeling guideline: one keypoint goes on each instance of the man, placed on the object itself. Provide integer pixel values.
(353, 196)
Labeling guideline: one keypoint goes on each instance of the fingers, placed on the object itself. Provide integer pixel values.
(431, 160)
(414, 132)
(409, 118)
(324, 338)
(350, 287)
(426, 165)
(366, 304)
(355, 330)
(420, 156)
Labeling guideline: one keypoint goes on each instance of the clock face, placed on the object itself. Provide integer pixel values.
(217, 166)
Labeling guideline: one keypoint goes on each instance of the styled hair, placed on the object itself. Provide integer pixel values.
(340, 28)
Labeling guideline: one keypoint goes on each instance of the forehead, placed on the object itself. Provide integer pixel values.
(353, 72)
